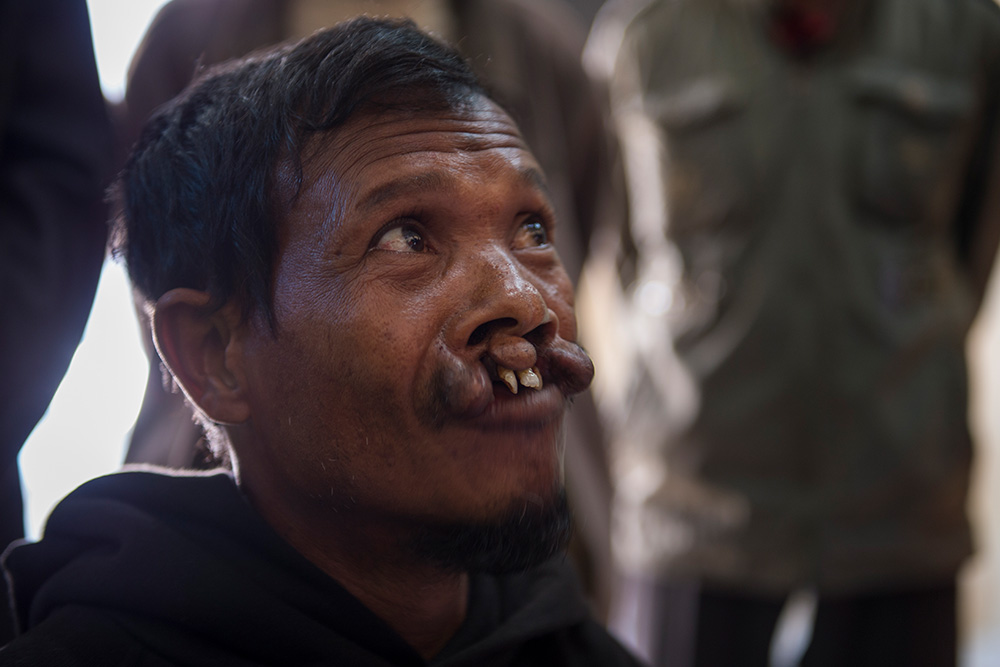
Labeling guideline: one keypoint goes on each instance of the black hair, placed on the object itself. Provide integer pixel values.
(199, 192)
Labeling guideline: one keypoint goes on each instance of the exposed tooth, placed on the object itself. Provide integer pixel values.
(508, 377)
(530, 378)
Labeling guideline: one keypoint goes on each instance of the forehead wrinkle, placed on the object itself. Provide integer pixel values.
(350, 150)
(436, 179)
(472, 129)
(402, 187)
(411, 142)
(325, 180)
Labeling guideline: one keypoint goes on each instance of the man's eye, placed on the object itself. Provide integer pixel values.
(531, 234)
(401, 239)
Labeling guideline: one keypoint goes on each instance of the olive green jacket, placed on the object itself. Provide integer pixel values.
(810, 243)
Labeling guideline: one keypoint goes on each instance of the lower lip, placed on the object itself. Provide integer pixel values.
(530, 409)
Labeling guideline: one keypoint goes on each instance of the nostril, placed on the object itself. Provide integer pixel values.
(545, 332)
(485, 330)
(541, 334)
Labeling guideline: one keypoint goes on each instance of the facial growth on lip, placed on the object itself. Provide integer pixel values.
(531, 377)
(464, 386)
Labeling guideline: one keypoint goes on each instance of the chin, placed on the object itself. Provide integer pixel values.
(531, 530)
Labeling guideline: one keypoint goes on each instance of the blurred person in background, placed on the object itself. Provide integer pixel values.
(587, 9)
(55, 157)
(815, 211)
(528, 53)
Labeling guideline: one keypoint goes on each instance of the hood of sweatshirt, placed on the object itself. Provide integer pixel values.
(188, 570)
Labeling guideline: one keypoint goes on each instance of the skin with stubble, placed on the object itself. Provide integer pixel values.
(371, 428)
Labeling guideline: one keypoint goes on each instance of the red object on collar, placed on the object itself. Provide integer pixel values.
(803, 31)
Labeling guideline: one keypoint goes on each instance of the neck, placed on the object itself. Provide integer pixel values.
(424, 604)
(425, 608)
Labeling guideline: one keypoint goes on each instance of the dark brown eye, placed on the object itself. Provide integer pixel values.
(401, 239)
(531, 234)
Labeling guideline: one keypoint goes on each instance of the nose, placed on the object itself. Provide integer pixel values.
(508, 316)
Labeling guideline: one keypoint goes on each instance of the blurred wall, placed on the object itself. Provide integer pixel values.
(981, 577)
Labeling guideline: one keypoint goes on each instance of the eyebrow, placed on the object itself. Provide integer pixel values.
(416, 183)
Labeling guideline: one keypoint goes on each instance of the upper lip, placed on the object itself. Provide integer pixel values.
(470, 389)
(564, 369)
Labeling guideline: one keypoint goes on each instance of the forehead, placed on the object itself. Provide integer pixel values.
(375, 158)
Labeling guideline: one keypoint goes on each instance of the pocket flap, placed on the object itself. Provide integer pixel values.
(695, 103)
(917, 94)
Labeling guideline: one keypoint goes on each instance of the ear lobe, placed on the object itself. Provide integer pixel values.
(197, 343)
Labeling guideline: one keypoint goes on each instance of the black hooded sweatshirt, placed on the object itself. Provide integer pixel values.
(149, 569)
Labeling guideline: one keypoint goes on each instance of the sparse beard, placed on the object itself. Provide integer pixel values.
(528, 534)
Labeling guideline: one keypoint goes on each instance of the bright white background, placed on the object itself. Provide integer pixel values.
(85, 430)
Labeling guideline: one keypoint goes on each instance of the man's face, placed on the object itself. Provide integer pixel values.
(414, 267)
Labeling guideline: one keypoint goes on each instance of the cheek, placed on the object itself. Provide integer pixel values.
(346, 370)
(558, 292)
(324, 421)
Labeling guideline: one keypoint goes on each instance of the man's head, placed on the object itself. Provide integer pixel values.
(349, 249)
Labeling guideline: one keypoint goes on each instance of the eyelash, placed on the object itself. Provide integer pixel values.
(412, 220)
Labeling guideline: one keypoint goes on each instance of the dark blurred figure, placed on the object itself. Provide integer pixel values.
(55, 143)
(816, 210)
(528, 52)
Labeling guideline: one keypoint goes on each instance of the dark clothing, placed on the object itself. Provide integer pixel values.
(916, 627)
(151, 569)
(684, 622)
(681, 622)
(55, 151)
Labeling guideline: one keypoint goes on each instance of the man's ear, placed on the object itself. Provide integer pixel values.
(200, 347)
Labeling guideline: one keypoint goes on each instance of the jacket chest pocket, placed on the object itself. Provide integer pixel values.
(705, 159)
(907, 165)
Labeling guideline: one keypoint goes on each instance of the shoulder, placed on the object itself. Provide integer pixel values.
(591, 644)
(186, 35)
(658, 19)
(74, 637)
(550, 622)
(648, 28)
(548, 26)
(586, 644)
(990, 8)
(157, 487)
(987, 13)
